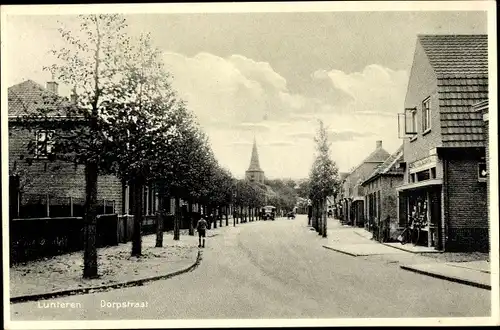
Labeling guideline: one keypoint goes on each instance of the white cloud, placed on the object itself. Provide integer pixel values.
(375, 89)
(237, 99)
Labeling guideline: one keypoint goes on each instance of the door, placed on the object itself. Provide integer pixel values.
(435, 216)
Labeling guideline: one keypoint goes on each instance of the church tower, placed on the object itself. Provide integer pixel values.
(254, 172)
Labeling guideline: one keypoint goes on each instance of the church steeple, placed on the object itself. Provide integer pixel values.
(254, 161)
(254, 172)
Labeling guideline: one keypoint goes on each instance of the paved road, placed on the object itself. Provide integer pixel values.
(276, 269)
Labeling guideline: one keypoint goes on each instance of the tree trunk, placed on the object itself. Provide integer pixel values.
(159, 219)
(219, 211)
(190, 217)
(137, 207)
(90, 228)
(234, 216)
(325, 218)
(213, 211)
(177, 219)
(320, 217)
(227, 215)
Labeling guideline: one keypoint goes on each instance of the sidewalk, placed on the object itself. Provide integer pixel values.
(62, 275)
(466, 268)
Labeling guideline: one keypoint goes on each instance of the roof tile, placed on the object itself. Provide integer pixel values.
(28, 98)
(460, 55)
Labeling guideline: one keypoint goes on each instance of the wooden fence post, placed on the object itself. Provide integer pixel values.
(48, 205)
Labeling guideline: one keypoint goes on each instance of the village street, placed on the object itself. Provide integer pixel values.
(276, 269)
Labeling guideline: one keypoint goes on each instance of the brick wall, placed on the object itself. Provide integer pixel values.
(386, 186)
(56, 178)
(467, 206)
(389, 199)
(421, 85)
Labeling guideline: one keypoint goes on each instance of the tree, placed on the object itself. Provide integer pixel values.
(323, 177)
(88, 63)
(143, 125)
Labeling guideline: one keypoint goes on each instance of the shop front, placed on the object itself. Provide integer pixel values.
(422, 205)
(420, 201)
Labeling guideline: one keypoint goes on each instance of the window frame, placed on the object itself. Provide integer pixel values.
(426, 115)
(43, 149)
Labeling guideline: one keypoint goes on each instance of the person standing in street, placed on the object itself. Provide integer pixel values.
(201, 227)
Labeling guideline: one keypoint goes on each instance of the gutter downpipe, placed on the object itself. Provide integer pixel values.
(446, 222)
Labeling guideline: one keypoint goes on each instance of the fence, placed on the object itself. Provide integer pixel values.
(45, 206)
(35, 238)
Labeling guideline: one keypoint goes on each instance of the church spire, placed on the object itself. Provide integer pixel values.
(254, 161)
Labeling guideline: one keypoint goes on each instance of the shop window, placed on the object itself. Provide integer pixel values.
(423, 175)
(426, 115)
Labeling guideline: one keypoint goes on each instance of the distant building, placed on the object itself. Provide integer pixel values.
(445, 185)
(381, 197)
(352, 190)
(254, 172)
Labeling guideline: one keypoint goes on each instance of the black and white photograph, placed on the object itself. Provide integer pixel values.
(249, 164)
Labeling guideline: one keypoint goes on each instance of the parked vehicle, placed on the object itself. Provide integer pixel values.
(268, 212)
(290, 215)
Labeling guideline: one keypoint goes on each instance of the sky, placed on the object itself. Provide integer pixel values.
(272, 76)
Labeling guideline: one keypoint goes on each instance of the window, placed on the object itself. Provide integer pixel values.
(407, 123)
(426, 115)
(433, 173)
(413, 121)
(482, 172)
(44, 143)
(423, 175)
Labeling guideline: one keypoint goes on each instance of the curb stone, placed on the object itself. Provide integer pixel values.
(409, 251)
(349, 254)
(448, 278)
(103, 288)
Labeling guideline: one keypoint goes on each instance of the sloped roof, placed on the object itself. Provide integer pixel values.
(377, 156)
(254, 160)
(461, 66)
(457, 54)
(28, 98)
(389, 166)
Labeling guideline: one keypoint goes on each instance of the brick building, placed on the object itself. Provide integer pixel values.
(41, 186)
(352, 190)
(339, 198)
(444, 142)
(381, 196)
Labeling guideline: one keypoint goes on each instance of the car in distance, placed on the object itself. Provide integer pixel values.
(268, 212)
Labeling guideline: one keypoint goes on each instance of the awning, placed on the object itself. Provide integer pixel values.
(419, 185)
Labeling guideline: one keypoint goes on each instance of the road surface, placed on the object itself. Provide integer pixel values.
(274, 269)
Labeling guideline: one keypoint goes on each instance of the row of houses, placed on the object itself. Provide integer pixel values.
(439, 174)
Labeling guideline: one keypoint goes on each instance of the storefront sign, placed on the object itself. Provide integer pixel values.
(421, 164)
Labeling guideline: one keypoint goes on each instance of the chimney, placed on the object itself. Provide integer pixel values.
(52, 86)
(379, 144)
(74, 96)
